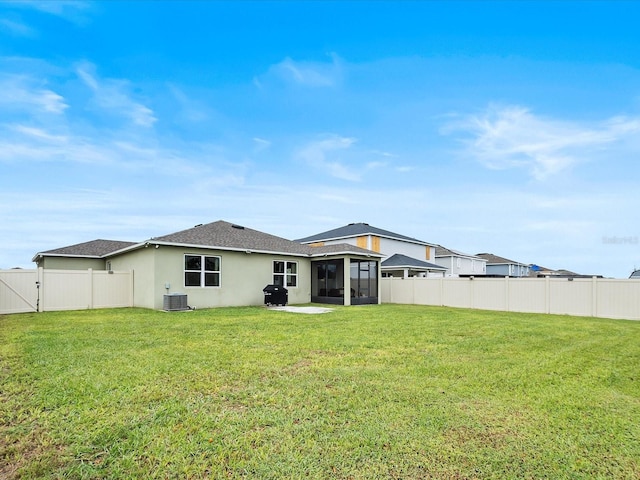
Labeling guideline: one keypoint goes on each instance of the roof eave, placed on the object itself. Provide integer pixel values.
(412, 267)
(346, 252)
(39, 255)
(215, 247)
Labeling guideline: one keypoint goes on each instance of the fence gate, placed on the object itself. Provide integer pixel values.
(19, 291)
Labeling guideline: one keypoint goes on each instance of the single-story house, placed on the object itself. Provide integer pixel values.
(403, 256)
(458, 263)
(500, 266)
(223, 264)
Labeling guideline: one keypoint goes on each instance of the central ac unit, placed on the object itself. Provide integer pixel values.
(175, 302)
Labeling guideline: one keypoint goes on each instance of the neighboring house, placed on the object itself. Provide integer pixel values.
(539, 271)
(458, 263)
(542, 272)
(635, 274)
(222, 264)
(403, 256)
(503, 267)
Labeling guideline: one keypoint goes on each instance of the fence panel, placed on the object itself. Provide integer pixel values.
(112, 289)
(66, 290)
(489, 294)
(618, 299)
(527, 295)
(428, 292)
(456, 292)
(571, 298)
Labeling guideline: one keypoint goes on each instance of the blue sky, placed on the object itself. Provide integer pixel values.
(504, 127)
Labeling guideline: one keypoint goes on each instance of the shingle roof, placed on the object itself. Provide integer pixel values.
(220, 235)
(94, 248)
(223, 234)
(635, 274)
(448, 252)
(355, 230)
(398, 260)
(495, 259)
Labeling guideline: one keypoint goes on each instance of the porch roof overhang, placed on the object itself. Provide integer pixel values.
(401, 262)
(342, 250)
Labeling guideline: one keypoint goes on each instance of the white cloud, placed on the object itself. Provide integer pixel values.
(305, 73)
(24, 93)
(17, 28)
(40, 134)
(112, 96)
(374, 165)
(191, 110)
(512, 136)
(322, 156)
(71, 10)
(260, 144)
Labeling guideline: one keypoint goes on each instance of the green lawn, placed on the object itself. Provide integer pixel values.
(370, 392)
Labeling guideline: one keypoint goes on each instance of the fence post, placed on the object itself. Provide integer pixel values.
(40, 286)
(131, 291)
(547, 294)
(90, 273)
(472, 296)
(507, 305)
(594, 297)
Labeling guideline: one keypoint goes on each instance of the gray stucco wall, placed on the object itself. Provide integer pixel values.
(70, 263)
(242, 277)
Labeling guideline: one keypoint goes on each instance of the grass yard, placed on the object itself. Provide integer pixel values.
(368, 392)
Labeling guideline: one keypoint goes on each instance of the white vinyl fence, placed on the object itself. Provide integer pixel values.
(47, 290)
(591, 297)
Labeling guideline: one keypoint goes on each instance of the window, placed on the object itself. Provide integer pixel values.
(201, 271)
(285, 273)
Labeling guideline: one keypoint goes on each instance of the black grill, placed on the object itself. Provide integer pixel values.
(275, 295)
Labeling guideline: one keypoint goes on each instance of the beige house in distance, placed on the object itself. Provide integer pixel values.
(403, 256)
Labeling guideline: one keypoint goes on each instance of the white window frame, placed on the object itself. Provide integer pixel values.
(285, 274)
(202, 271)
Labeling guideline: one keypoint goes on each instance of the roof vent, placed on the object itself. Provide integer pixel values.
(198, 225)
(239, 227)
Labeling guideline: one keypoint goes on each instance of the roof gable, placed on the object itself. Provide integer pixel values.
(94, 248)
(448, 252)
(398, 260)
(496, 260)
(227, 235)
(356, 230)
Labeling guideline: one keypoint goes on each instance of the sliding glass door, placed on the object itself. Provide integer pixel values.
(364, 282)
(327, 281)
